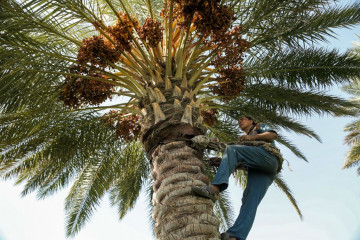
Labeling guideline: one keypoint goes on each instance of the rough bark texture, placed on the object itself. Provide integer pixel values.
(177, 212)
(170, 118)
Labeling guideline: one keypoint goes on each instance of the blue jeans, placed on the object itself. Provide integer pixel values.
(262, 168)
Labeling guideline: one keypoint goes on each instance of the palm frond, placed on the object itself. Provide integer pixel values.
(52, 142)
(276, 23)
(283, 187)
(133, 170)
(85, 194)
(352, 157)
(301, 103)
(224, 211)
(302, 67)
(43, 25)
(278, 122)
(149, 195)
(287, 143)
(353, 129)
(225, 129)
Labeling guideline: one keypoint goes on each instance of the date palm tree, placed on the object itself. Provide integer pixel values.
(353, 128)
(106, 95)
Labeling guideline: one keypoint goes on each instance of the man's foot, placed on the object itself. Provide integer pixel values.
(225, 236)
(206, 192)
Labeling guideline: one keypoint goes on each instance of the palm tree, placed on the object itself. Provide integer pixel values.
(182, 69)
(353, 128)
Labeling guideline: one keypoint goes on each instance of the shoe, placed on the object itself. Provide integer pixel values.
(205, 191)
(224, 236)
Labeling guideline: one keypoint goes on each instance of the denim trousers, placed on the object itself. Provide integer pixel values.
(262, 169)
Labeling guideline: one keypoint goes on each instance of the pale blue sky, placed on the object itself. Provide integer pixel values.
(328, 197)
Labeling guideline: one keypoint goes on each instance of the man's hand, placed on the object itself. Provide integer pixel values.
(266, 136)
(247, 138)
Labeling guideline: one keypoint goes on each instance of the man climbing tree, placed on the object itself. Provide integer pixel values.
(262, 167)
(185, 68)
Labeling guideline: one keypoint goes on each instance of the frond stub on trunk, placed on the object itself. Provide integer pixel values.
(177, 104)
(199, 120)
(176, 92)
(187, 116)
(168, 85)
(151, 94)
(158, 113)
(186, 95)
(159, 96)
(184, 82)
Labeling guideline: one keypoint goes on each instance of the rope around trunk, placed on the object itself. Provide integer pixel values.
(203, 142)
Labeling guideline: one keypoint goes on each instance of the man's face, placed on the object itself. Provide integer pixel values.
(245, 123)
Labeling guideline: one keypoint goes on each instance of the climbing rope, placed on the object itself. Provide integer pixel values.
(202, 142)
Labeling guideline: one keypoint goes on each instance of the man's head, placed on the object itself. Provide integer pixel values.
(245, 123)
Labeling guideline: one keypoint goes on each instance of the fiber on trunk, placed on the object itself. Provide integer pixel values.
(180, 215)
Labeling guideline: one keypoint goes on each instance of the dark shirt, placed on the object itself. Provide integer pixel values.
(261, 128)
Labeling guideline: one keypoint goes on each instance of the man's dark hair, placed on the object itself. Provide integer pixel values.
(250, 118)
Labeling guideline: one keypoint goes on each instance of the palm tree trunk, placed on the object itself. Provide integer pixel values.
(177, 212)
(171, 115)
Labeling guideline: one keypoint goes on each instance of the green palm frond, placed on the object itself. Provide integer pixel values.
(149, 196)
(87, 191)
(353, 157)
(225, 130)
(42, 24)
(238, 108)
(122, 172)
(354, 135)
(301, 103)
(279, 181)
(353, 139)
(224, 211)
(131, 172)
(241, 178)
(353, 88)
(352, 129)
(302, 67)
(46, 150)
(277, 23)
(287, 143)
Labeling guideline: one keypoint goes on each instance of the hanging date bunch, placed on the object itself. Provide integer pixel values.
(210, 116)
(122, 32)
(231, 82)
(213, 23)
(85, 87)
(207, 16)
(97, 52)
(231, 75)
(151, 32)
(233, 47)
(126, 126)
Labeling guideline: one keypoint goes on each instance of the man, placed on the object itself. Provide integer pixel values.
(261, 167)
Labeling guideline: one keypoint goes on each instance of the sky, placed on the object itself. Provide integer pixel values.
(328, 196)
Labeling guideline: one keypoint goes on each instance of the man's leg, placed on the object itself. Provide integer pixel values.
(257, 184)
(250, 156)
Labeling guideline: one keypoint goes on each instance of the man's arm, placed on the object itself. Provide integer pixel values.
(266, 136)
